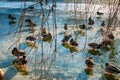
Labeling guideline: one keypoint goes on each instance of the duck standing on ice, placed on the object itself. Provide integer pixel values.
(111, 69)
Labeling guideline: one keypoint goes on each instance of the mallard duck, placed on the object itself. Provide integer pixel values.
(32, 24)
(103, 23)
(94, 45)
(1, 74)
(28, 20)
(111, 36)
(91, 22)
(66, 38)
(111, 69)
(73, 42)
(82, 26)
(99, 46)
(99, 13)
(17, 52)
(89, 62)
(31, 7)
(44, 31)
(22, 61)
(65, 27)
(12, 22)
(11, 17)
(48, 36)
(90, 18)
(31, 38)
(106, 42)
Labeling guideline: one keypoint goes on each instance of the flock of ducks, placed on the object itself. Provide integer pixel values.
(22, 61)
(109, 68)
(108, 42)
(46, 36)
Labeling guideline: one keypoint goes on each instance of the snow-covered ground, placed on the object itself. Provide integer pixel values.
(67, 65)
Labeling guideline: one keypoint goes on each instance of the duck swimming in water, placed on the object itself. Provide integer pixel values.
(111, 69)
(73, 42)
(89, 62)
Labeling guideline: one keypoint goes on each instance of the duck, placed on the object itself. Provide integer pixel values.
(31, 7)
(17, 52)
(73, 42)
(99, 13)
(82, 26)
(11, 17)
(31, 38)
(99, 46)
(44, 31)
(91, 22)
(89, 62)
(66, 38)
(65, 27)
(111, 68)
(22, 61)
(93, 45)
(28, 20)
(12, 22)
(32, 24)
(111, 36)
(48, 36)
(103, 23)
(106, 42)
(1, 74)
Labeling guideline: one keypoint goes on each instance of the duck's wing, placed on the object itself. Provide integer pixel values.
(22, 53)
(114, 69)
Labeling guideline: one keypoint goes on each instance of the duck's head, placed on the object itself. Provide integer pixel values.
(15, 49)
(65, 24)
(106, 64)
(24, 57)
